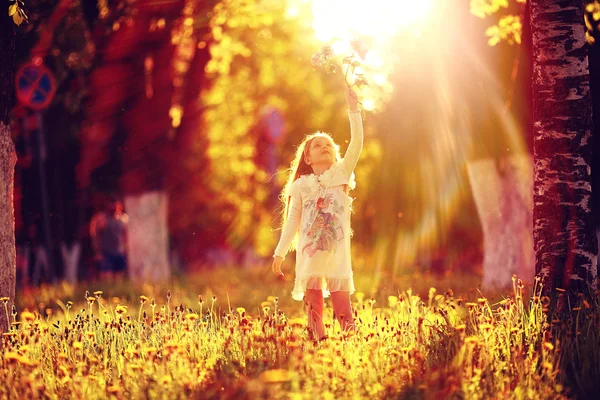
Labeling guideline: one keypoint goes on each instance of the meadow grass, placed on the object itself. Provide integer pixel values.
(236, 333)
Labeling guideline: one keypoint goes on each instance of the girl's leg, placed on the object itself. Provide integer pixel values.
(343, 310)
(314, 302)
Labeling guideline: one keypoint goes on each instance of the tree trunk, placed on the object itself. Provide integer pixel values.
(503, 195)
(147, 237)
(563, 228)
(8, 159)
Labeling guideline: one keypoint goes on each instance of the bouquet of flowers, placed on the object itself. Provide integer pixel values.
(323, 58)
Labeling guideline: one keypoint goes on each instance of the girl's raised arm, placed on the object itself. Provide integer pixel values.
(356, 133)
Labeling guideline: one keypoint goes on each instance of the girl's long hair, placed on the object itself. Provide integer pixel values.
(299, 167)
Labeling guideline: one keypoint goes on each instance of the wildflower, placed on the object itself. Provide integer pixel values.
(91, 334)
(192, 317)
(168, 295)
(482, 300)
(4, 300)
(327, 51)
(78, 345)
(547, 365)
(27, 316)
(91, 300)
(121, 309)
(200, 300)
(548, 346)
(486, 327)
(360, 296)
(461, 327)
(392, 301)
(318, 59)
(114, 389)
(471, 304)
(275, 376)
(240, 310)
(143, 299)
(359, 47)
(98, 293)
(472, 339)
(69, 304)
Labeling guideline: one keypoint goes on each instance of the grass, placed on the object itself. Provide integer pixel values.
(229, 333)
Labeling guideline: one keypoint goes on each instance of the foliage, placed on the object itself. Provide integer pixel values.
(432, 346)
(15, 10)
(508, 28)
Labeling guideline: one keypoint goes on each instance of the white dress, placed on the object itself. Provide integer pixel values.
(321, 209)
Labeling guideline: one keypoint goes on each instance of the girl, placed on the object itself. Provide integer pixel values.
(316, 216)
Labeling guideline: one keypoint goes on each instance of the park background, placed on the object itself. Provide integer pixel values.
(189, 111)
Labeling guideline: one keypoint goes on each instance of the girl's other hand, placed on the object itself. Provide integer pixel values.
(351, 99)
(277, 265)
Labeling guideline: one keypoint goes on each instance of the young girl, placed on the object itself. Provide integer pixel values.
(317, 222)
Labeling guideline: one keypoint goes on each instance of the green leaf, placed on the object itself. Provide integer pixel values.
(12, 10)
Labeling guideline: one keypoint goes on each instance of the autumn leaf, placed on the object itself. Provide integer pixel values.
(12, 10)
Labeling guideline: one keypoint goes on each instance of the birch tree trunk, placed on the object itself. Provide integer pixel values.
(563, 228)
(8, 159)
(148, 237)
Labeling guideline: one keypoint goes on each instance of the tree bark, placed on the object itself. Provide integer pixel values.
(503, 194)
(563, 228)
(8, 159)
(148, 237)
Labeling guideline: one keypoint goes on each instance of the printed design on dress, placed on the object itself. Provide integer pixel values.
(326, 228)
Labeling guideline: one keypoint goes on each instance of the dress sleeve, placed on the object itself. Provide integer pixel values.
(356, 143)
(292, 222)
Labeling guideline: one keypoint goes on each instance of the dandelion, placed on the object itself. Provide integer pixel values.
(4, 300)
(191, 317)
(27, 316)
(91, 300)
(121, 309)
(98, 293)
(143, 299)
(78, 345)
(275, 376)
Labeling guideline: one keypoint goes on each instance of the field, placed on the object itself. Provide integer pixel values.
(236, 333)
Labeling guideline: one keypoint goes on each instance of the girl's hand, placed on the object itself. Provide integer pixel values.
(351, 99)
(277, 265)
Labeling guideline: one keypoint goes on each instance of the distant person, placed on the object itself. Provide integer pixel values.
(108, 231)
(317, 212)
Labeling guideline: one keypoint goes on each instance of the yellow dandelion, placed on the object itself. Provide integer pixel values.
(91, 299)
(114, 389)
(275, 376)
(78, 345)
(265, 304)
(548, 346)
(4, 299)
(27, 316)
(98, 293)
(143, 299)
(121, 309)
(240, 310)
(192, 317)
(165, 380)
(91, 334)
(547, 365)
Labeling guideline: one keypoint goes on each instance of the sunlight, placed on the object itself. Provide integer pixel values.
(338, 19)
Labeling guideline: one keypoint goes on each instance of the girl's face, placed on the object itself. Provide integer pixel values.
(321, 151)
